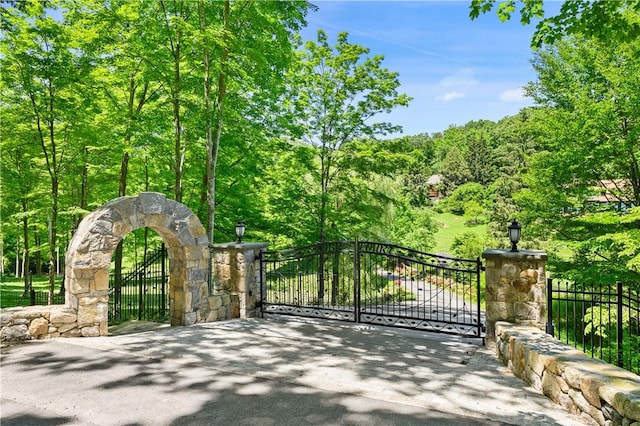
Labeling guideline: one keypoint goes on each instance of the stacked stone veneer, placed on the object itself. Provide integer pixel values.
(89, 257)
(88, 261)
(600, 393)
(38, 322)
(236, 271)
(515, 289)
(515, 296)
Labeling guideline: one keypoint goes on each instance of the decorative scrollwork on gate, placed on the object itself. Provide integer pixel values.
(376, 283)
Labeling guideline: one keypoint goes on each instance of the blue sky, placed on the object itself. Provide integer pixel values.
(456, 69)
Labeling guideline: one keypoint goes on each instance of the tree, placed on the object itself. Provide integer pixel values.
(455, 170)
(473, 213)
(413, 227)
(609, 21)
(480, 158)
(591, 138)
(335, 94)
(416, 177)
(515, 140)
(470, 191)
(250, 35)
(468, 245)
(42, 77)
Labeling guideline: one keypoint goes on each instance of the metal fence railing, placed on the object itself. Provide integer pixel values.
(42, 298)
(374, 283)
(601, 320)
(142, 293)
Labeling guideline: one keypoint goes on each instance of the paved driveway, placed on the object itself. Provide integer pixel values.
(265, 372)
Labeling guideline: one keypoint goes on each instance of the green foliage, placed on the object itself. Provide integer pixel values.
(468, 245)
(463, 194)
(480, 159)
(106, 82)
(613, 21)
(455, 170)
(473, 213)
(413, 228)
(334, 93)
(588, 138)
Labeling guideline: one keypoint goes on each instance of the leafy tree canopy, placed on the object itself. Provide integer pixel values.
(615, 20)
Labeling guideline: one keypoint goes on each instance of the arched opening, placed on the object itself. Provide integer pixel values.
(90, 251)
(139, 279)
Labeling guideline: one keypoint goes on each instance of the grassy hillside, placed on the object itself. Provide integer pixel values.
(450, 226)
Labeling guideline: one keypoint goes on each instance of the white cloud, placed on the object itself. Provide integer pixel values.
(460, 79)
(513, 95)
(450, 96)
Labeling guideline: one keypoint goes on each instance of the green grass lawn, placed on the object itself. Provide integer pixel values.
(450, 226)
(12, 290)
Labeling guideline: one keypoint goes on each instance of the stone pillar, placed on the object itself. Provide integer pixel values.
(236, 273)
(515, 289)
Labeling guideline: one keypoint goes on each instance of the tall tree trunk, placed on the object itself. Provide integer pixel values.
(325, 165)
(53, 230)
(122, 190)
(175, 85)
(37, 241)
(179, 149)
(178, 142)
(207, 114)
(84, 185)
(212, 152)
(25, 256)
(51, 157)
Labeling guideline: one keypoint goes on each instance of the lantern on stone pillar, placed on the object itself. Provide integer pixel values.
(514, 234)
(240, 226)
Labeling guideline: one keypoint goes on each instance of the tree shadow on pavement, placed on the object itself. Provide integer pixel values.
(273, 372)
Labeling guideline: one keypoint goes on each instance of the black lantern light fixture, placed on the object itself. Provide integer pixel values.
(514, 234)
(240, 230)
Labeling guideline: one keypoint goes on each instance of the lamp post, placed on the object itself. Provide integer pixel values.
(514, 234)
(240, 231)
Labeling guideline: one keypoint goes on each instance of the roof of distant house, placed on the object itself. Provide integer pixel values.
(611, 191)
(434, 180)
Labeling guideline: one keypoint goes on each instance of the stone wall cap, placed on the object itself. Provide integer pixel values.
(240, 246)
(515, 255)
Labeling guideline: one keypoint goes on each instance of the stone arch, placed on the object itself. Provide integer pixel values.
(88, 258)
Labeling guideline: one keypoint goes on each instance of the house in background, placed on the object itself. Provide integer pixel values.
(615, 192)
(435, 187)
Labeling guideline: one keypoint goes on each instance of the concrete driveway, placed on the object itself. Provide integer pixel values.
(265, 372)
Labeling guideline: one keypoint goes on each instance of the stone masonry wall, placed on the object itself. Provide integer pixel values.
(88, 257)
(236, 272)
(515, 289)
(602, 394)
(40, 322)
(236, 295)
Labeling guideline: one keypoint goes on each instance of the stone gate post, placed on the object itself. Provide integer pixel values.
(236, 275)
(515, 289)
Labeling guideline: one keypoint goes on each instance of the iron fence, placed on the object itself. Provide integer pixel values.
(601, 320)
(141, 293)
(375, 283)
(42, 298)
(32, 298)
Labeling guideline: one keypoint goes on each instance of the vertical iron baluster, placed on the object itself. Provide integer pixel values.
(619, 323)
(478, 270)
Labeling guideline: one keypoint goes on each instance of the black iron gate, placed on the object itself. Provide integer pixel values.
(141, 293)
(374, 283)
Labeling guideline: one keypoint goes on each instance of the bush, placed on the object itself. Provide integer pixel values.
(474, 213)
(471, 191)
(468, 245)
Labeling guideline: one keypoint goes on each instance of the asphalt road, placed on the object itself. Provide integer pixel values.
(265, 372)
